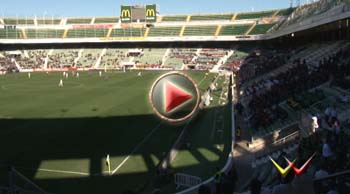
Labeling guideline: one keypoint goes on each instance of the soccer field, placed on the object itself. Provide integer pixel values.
(59, 137)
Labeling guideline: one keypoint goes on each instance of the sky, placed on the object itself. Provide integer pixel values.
(66, 8)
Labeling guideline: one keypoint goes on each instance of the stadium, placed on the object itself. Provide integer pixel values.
(78, 111)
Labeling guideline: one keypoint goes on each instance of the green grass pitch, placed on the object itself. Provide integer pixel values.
(59, 137)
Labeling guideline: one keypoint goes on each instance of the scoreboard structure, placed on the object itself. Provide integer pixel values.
(138, 13)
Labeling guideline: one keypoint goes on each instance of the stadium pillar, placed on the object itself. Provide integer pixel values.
(65, 33)
(250, 29)
(24, 35)
(218, 30)
(109, 32)
(188, 18)
(182, 30)
(234, 17)
(146, 32)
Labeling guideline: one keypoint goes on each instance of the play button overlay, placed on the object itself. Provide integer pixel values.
(174, 97)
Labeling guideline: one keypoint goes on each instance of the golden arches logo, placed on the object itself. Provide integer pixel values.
(126, 13)
(150, 13)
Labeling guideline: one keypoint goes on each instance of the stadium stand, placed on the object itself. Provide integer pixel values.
(255, 15)
(312, 10)
(261, 29)
(128, 32)
(306, 94)
(87, 32)
(200, 30)
(47, 21)
(211, 17)
(79, 20)
(18, 21)
(233, 63)
(44, 33)
(62, 58)
(150, 57)
(177, 18)
(207, 58)
(10, 33)
(113, 57)
(179, 56)
(164, 31)
(106, 20)
(271, 91)
(230, 30)
(285, 12)
(32, 59)
(6, 62)
(88, 58)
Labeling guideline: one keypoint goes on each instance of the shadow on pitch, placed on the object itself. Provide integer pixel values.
(30, 143)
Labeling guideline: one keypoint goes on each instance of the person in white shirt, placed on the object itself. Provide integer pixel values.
(60, 84)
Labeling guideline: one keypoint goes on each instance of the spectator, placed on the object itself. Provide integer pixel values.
(322, 172)
(286, 185)
(332, 189)
(204, 189)
(255, 187)
(327, 152)
(336, 127)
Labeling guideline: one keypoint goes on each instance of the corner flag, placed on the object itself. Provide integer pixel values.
(108, 163)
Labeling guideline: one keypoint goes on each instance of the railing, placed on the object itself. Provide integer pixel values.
(14, 188)
(276, 145)
(341, 179)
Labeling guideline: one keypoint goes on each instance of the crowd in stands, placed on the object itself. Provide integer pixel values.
(200, 59)
(34, 60)
(7, 65)
(330, 142)
(177, 58)
(88, 59)
(305, 11)
(62, 59)
(262, 61)
(264, 96)
(186, 55)
(112, 57)
(208, 58)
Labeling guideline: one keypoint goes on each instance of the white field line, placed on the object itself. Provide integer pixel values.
(52, 170)
(136, 148)
(118, 167)
(201, 81)
(63, 171)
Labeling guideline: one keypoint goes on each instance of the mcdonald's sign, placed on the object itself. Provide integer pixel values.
(151, 13)
(125, 14)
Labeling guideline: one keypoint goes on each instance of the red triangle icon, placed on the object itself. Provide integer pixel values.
(175, 96)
